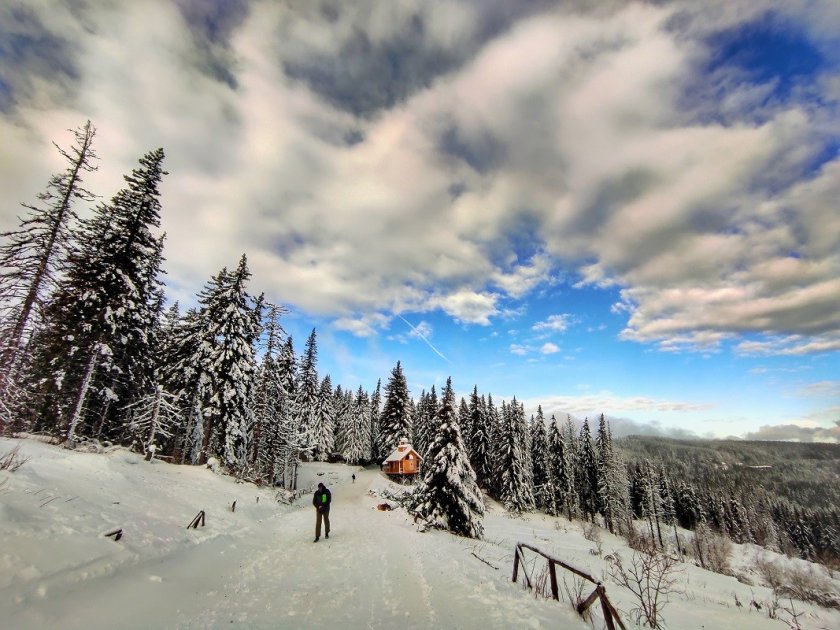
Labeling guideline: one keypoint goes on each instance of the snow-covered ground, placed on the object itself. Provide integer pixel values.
(257, 567)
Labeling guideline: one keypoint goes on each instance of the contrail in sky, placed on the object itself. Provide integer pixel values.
(423, 337)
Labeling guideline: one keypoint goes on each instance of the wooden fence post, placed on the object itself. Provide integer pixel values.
(515, 562)
(552, 573)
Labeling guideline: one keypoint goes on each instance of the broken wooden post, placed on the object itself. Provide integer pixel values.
(117, 534)
(199, 518)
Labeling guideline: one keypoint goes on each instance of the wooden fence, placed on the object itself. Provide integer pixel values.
(610, 614)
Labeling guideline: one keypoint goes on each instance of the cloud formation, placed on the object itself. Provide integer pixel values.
(377, 159)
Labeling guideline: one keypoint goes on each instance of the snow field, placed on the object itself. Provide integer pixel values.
(257, 567)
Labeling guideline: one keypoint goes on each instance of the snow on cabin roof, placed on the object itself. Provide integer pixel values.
(401, 452)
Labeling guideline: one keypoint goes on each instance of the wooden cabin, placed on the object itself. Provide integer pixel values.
(403, 461)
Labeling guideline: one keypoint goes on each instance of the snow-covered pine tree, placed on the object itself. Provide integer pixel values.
(287, 442)
(651, 501)
(539, 462)
(516, 489)
(561, 478)
(449, 495)
(687, 506)
(97, 332)
(306, 401)
(587, 478)
(496, 424)
(267, 395)
(612, 482)
(424, 421)
(323, 421)
(357, 445)
(341, 408)
(465, 422)
(375, 404)
(479, 442)
(181, 374)
(151, 419)
(231, 327)
(395, 420)
(35, 256)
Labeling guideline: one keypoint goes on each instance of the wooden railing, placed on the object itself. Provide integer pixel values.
(610, 614)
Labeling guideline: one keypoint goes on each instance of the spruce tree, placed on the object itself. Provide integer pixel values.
(539, 461)
(231, 326)
(465, 422)
(612, 483)
(449, 496)
(357, 445)
(324, 420)
(480, 446)
(424, 421)
(375, 404)
(306, 401)
(516, 478)
(395, 420)
(587, 478)
(94, 349)
(35, 256)
(267, 399)
(560, 472)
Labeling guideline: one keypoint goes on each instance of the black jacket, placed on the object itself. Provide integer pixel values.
(321, 500)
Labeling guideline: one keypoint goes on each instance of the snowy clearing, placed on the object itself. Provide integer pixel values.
(257, 567)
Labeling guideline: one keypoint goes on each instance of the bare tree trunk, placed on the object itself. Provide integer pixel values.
(153, 424)
(81, 395)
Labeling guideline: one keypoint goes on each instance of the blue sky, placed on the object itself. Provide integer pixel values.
(627, 208)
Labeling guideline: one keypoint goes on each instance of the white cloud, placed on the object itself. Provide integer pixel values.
(518, 349)
(364, 326)
(570, 147)
(549, 348)
(554, 323)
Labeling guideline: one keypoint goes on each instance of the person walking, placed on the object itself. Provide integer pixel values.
(354, 477)
(321, 500)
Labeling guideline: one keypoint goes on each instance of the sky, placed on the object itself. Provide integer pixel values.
(628, 208)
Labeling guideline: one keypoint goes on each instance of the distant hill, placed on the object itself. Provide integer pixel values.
(808, 474)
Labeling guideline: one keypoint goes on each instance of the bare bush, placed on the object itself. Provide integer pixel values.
(711, 550)
(12, 460)
(574, 591)
(802, 583)
(651, 575)
(592, 533)
(640, 540)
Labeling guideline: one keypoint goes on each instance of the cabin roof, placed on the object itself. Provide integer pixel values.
(401, 452)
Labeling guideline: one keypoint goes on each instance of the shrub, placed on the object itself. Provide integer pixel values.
(712, 551)
(798, 582)
(651, 577)
(12, 460)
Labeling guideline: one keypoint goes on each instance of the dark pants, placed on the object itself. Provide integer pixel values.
(325, 515)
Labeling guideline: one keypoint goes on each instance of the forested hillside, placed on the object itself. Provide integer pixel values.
(778, 494)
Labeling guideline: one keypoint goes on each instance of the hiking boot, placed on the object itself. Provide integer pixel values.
(327, 536)
(316, 540)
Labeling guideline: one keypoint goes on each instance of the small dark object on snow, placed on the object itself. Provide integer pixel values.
(117, 534)
(233, 507)
(384, 507)
(199, 518)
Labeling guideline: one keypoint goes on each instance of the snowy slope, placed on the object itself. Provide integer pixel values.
(257, 567)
